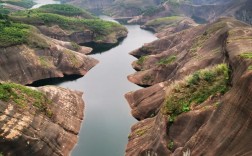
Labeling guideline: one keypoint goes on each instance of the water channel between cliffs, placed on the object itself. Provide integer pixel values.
(107, 120)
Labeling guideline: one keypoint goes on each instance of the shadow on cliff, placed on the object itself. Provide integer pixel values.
(99, 48)
(55, 81)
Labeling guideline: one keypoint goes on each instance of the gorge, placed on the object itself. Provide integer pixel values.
(188, 87)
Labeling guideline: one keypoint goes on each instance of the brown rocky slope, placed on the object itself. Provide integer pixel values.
(199, 94)
(50, 58)
(39, 121)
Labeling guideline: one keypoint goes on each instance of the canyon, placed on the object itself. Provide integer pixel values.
(189, 89)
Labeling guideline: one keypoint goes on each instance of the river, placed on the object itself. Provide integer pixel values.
(107, 120)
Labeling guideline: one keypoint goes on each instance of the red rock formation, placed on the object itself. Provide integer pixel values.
(218, 125)
(28, 131)
(24, 64)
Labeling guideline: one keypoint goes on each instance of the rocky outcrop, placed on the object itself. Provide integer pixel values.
(45, 124)
(82, 37)
(168, 25)
(192, 94)
(25, 64)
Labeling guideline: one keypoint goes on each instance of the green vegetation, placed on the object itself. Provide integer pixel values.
(75, 46)
(147, 78)
(72, 58)
(21, 3)
(64, 9)
(97, 26)
(247, 55)
(44, 61)
(141, 60)
(167, 60)
(146, 49)
(140, 132)
(152, 10)
(195, 89)
(12, 33)
(24, 96)
(170, 145)
(4, 11)
(164, 21)
(250, 68)
(211, 30)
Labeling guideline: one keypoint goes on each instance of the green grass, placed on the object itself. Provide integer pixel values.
(13, 33)
(148, 78)
(4, 11)
(195, 89)
(44, 61)
(65, 9)
(152, 10)
(140, 132)
(97, 26)
(164, 21)
(250, 68)
(72, 58)
(24, 96)
(141, 60)
(170, 145)
(167, 60)
(75, 46)
(247, 55)
(210, 31)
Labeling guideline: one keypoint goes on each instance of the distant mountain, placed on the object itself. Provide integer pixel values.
(199, 10)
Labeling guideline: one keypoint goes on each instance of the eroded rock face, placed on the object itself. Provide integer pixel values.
(24, 64)
(218, 125)
(82, 37)
(28, 131)
(169, 25)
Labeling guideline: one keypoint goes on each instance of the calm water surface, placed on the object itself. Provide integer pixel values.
(107, 118)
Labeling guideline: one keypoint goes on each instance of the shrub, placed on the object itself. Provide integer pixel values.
(195, 89)
(170, 145)
(141, 60)
(97, 26)
(64, 9)
(247, 55)
(75, 46)
(12, 33)
(167, 60)
(24, 96)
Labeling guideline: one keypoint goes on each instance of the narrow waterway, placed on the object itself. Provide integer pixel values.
(107, 118)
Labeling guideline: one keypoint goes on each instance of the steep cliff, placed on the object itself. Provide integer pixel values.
(26, 55)
(200, 80)
(39, 121)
